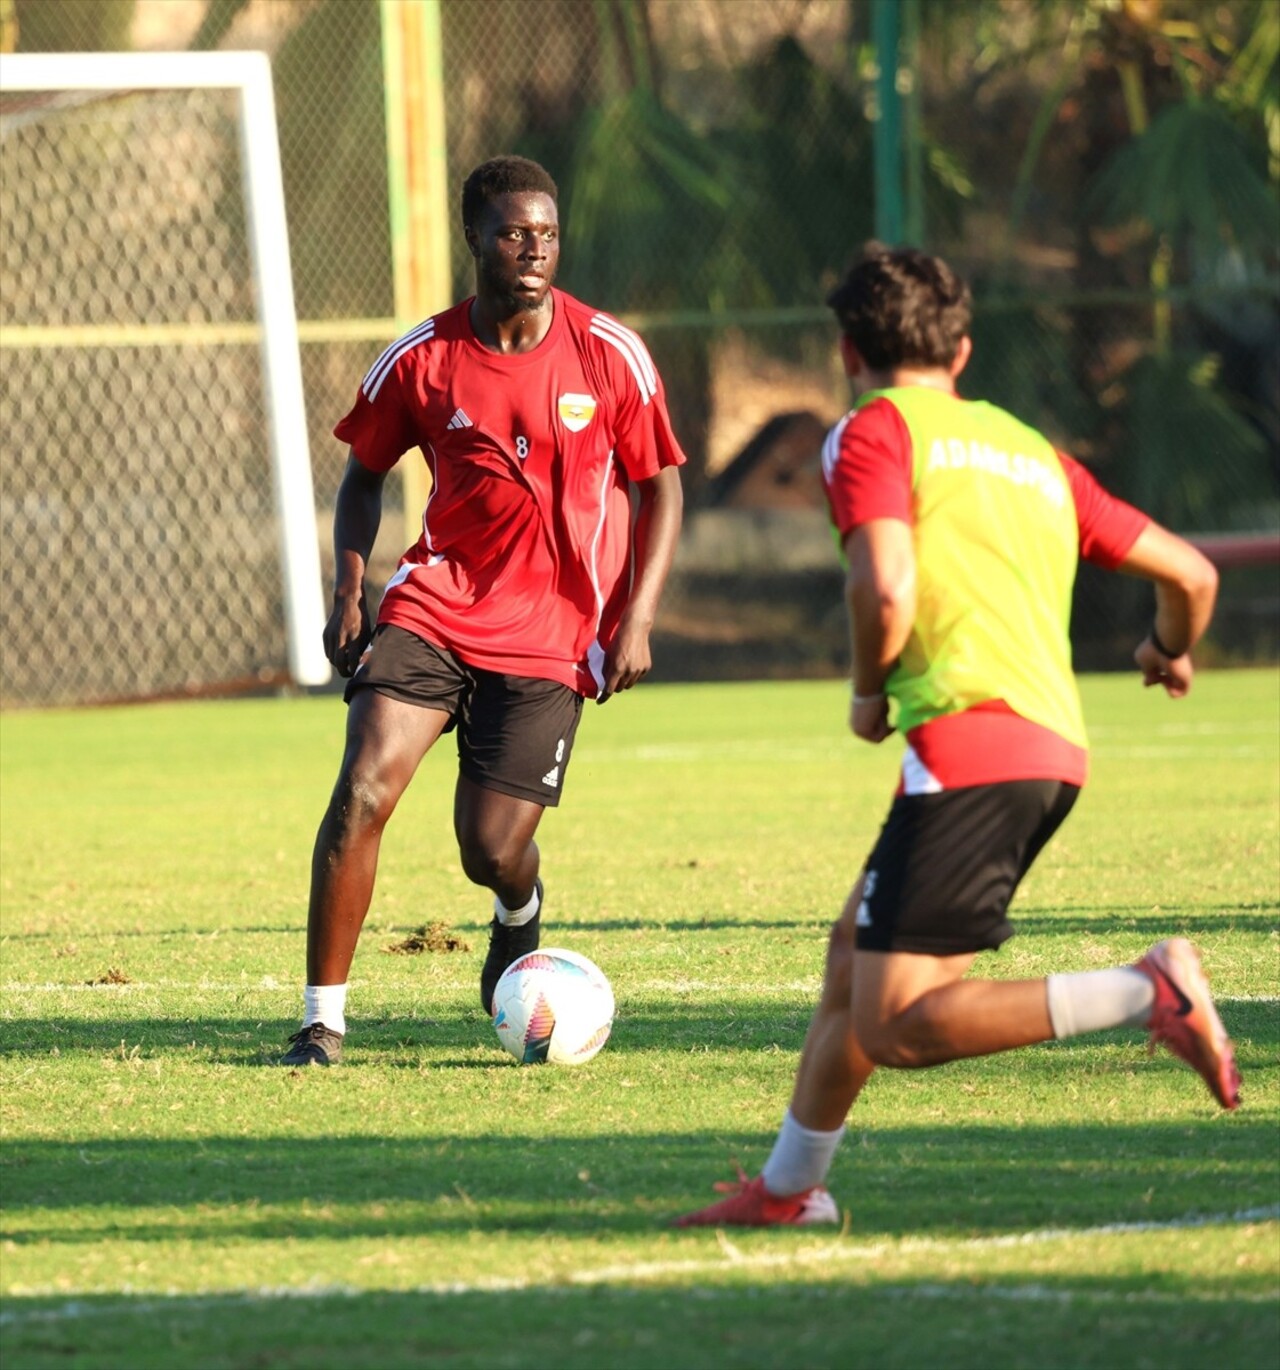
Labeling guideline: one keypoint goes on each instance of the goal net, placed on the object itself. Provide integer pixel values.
(157, 520)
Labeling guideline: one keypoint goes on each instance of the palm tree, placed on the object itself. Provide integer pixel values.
(757, 208)
(1191, 193)
(652, 209)
(1181, 194)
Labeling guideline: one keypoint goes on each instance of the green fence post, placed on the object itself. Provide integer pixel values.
(887, 135)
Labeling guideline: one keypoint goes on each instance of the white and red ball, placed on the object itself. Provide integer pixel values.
(553, 1006)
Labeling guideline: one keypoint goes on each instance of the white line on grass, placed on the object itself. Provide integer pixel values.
(1116, 739)
(832, 1252)
(1204, 728)
(1112, 751)
(270, 985)
(1038, 1293)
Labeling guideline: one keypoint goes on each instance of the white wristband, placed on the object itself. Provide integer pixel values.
(867, 699)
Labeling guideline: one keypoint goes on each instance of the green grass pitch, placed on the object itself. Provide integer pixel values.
(172, 1199)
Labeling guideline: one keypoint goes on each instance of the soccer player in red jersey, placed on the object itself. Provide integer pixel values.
(531, 588)
(962, 529)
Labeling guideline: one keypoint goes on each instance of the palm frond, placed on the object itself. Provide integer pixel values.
(1194, 460)
(1192, 173)
(652, 209)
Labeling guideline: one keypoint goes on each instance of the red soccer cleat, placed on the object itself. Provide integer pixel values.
(751, 1205)
(1185, 1020)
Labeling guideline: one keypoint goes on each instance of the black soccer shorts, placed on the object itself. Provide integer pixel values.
(515, 733)
(945, 866)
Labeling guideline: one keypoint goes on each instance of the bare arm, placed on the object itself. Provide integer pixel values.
(1186, 585)
(880, 591)
(356, 516)
(656, 532)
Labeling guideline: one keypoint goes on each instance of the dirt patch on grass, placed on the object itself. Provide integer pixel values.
(429, 937)
(113, 976)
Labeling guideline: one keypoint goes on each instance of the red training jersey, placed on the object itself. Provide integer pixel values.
(524, 563)
(868, 472)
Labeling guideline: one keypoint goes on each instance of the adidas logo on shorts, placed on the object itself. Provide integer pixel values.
(459, 420)
(552, 777)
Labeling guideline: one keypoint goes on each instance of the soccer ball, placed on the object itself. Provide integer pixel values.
(553, 1005)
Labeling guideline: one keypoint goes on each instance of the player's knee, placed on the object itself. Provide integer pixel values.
(487, 864)
(907, 1041)
(361, 803)
(886, 1048)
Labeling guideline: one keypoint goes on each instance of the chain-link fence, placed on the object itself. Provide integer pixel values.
(715, 159)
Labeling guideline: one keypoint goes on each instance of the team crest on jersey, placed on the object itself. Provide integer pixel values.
(576, 411)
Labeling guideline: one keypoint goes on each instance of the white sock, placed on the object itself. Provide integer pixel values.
(800, 1158)
(325, 1004)
(1093, 999)
(512, 918)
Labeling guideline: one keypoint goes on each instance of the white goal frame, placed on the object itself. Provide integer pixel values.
(249, 75)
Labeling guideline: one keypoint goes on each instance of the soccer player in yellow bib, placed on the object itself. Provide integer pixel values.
(962, 529)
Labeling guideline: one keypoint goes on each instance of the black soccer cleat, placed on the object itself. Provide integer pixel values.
(507, 944)
(314, 1046)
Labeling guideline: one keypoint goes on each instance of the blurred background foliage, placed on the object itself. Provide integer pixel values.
(1106, 172)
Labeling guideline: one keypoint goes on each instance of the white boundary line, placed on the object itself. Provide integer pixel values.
(836, 1251)
(269, 985)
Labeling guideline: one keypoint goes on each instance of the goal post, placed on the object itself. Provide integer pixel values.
(248, 75)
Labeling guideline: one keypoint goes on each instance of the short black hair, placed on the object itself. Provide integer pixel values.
(902, 307)
(502, 176)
